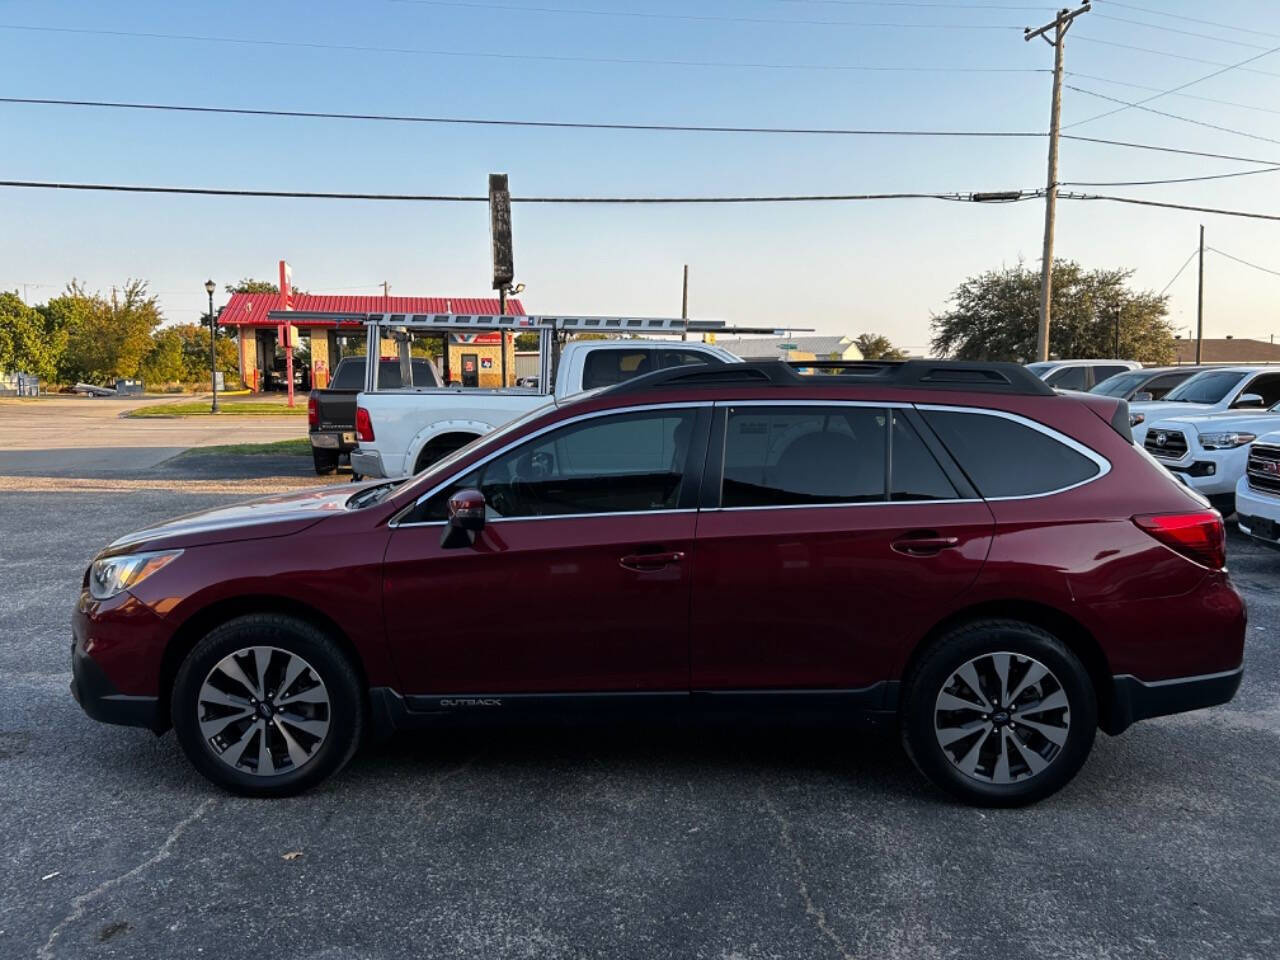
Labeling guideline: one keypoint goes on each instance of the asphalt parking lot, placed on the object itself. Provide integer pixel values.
(605, 843)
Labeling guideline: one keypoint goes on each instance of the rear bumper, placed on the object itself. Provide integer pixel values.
(1134, 699)
(367, 463)
(99, 698)
(333, 440)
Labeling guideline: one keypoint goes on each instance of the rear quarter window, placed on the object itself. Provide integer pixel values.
(1008, 458)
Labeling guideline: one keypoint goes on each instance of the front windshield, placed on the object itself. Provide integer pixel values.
(416, 484)
(1121, 385)
(1212, 386)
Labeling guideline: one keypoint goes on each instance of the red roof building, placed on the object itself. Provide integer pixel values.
(321, 343)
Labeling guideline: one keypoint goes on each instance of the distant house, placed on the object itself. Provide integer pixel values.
(805, 348)
(1229, 350)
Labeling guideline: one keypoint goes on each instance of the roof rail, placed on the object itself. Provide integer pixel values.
(971, 376)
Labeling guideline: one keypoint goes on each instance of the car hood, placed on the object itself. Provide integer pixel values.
(274, 516)
(1163, 409)
(1256, 421)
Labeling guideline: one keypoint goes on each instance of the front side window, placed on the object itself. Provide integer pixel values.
(605, 367)
(1209, 387)
(1068, 378)
(782, 456)
(1160, 386)
(915, 472)
(1006, 458)
(1121, 385)
(1266, 386)
(615, 464)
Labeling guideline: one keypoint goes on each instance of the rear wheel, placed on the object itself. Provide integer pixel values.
(326, 461)
(267, 705)
(999, 713)
(441, 447)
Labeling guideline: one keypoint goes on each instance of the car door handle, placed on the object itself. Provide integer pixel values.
(923, 544)
(651, 561)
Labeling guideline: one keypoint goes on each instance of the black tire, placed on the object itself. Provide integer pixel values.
(441, 447)
(345, 695)
(326, 461)
(936, 669)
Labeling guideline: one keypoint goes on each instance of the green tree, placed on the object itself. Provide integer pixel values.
(165, 362)
(250, 285)
(195, 352)
(25, 346)
(875, 346)
(994, 316)
(526, 341)
(107, 337)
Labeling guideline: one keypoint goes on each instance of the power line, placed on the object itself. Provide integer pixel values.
(1159, 149)
(1183, 86)
(1007, 196)
(1181, 16)
(1248, 214)
(1194, 254)
(699, 18)
(1244, 262)
(1152, 183)
(479, 121)
(920, 4)
(1175, 56)
(420, 51)
(1172, 116)
(1185, 33)
(1187, 96)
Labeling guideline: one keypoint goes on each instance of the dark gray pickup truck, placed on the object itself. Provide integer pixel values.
(331, 412)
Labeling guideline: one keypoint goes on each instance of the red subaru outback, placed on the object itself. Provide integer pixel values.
(951, 546)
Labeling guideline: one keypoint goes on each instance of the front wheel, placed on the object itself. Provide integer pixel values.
(999, 713)
(267, 706)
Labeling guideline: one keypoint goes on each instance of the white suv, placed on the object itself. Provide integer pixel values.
(1082, 375)
(1258, 492)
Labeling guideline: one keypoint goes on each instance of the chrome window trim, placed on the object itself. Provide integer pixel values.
(829, 506)
(396, 523)
(1101, 462)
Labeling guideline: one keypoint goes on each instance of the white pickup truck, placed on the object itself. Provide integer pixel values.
(402, 431)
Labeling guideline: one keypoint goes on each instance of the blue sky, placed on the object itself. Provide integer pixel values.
(844, 268)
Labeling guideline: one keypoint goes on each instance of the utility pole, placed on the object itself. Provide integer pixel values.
(1200, 301)
(386, 289)
(1059, 25)
(684, 303)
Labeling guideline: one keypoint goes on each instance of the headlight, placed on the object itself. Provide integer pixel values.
(110, 575)
(1225, 441)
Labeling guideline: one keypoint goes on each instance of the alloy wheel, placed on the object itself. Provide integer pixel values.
(1002, 718)
(263, 711)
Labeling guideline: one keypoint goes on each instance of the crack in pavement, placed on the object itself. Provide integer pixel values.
(80, 903)
(811, 909)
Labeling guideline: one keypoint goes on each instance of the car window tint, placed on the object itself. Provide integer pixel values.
(1211, 386)
(349, 375)
(1267, 386)
(1005, 458)
(1101, 373)
(604, 368)
(680, 358)
(1120, 385)
(915, 473)
(1068, 378)
(614, 464)
(777, 456)
(1160, 386)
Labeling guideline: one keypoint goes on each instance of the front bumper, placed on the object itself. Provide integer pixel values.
(1213, 473)
(367, 463)
(1133, 699)
(1258, 514)
(103, 702)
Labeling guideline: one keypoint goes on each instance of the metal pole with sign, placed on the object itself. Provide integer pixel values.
(504, 271)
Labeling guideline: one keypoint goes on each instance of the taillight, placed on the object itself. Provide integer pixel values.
(1199, 536)
(364, 426)
(313, 411)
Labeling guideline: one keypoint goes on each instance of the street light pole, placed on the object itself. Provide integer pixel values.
(209, 287)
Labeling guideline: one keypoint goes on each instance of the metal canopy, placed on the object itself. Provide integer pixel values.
(460, 321)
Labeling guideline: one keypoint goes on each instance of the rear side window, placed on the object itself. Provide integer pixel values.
(1101, 373)
(1005, 458)
(1068, 378)
(603, 368)
(680, 358)
(782, 456)
(916, 474)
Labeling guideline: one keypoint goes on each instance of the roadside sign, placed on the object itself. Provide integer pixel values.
(486, 363)
(788, 346)
(504, 270)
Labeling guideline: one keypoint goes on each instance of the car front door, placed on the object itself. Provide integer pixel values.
(580, 579)
(815, 561)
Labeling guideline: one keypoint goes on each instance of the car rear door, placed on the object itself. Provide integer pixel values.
(580, 580)
(831, 534)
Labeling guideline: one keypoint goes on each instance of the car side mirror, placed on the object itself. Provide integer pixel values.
(1142, 396)
(1251, 401)
(466, 519)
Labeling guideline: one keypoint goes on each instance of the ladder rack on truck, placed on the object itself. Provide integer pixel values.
(551, 330)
